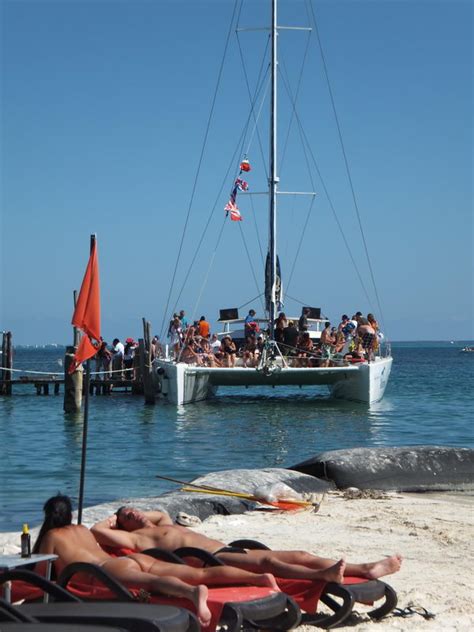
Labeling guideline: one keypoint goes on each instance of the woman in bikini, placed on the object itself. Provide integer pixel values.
(229, 350)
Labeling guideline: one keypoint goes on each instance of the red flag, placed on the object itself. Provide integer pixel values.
(87, 313)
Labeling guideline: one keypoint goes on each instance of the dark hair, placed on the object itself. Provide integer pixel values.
(117, 513)
(57, 513)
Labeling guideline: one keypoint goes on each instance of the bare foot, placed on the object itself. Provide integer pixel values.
(387, 566)
(200, 594)
(268, 579)
(334, 573)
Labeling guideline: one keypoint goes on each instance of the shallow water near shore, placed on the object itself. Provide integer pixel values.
(428, 401)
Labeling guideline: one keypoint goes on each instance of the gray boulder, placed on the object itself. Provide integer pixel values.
(246, 481)
(409, 468)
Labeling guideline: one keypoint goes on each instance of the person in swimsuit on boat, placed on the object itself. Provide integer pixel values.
(140, 530)
(249, 351)
(305, 350)
(229, 350)
(75, 543)
(366, 333)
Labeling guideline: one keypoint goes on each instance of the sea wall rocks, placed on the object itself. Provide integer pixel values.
(205, 505)
(408, 469)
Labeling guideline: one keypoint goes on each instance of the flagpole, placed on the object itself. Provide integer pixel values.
(84, 442)
(84, 426)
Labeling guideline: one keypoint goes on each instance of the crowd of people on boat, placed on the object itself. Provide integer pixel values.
(355, 339)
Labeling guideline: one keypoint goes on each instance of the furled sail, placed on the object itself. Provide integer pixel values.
(277, 290)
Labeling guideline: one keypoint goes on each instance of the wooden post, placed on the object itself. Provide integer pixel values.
(6, 363)
(137, 380)
(145, 364)
(72, 384)
(76, 334)
(3, 361)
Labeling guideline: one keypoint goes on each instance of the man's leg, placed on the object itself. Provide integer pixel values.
(270, 562)
(303, 565)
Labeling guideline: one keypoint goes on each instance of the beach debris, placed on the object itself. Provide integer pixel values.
(285, 504)
(352, 493)
(185, 520)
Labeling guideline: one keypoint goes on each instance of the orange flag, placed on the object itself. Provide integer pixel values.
(87, 313)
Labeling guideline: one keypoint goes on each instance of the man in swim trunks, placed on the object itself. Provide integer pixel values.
(140, 530)
(75, 543)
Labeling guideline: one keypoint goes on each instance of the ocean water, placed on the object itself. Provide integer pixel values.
(428, 401)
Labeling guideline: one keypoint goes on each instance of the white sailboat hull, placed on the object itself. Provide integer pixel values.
(184, 384)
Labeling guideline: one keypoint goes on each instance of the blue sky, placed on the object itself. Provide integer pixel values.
(104, 108)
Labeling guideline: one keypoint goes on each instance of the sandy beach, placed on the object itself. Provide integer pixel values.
(433, 532)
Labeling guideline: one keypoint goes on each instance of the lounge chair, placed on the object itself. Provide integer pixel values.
(68, 609)
(307, 593)
(231, 606)
(354, 589)
(13, 620)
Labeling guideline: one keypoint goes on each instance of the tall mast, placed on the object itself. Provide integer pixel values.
(273, 178)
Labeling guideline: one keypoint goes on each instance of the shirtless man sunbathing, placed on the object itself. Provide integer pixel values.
(138, 530)
(75, 543)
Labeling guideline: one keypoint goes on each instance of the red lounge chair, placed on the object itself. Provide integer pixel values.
(68, 609)
(354, 589)
(308, 593)
(12, 619)
(232, 606)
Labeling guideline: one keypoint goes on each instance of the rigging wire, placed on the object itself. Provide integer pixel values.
(198, 168)
(252, 99)
(298, 86)
(206, 276)
(328, 197)
(285, 146)
(236, 152)
(346, 162)
(255, 298)
(256, 118)
(286, 83)
(251, 265)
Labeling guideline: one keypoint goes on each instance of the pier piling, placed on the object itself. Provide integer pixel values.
(72, 384)
(7, 364)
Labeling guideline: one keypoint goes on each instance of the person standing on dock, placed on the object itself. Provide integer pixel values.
(128, 354)
(117, 360)
(103, 360)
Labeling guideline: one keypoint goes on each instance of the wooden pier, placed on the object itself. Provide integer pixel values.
(46, 386)
(136, 381)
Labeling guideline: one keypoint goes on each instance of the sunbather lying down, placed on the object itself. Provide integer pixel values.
(75, 543)
(138, 530)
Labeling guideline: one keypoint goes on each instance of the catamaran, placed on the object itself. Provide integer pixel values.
(187, 382)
